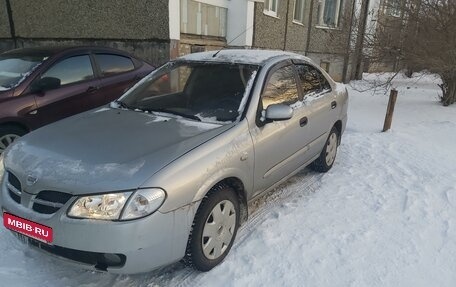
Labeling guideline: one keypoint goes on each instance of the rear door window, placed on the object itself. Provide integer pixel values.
(312, 81)
(71, 70)
(111, 64)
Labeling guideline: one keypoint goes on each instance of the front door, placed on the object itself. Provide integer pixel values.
(77, 85)
(280, 147)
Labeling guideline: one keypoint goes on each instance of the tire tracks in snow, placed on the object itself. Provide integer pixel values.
(302, 184)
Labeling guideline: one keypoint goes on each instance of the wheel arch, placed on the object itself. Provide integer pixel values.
(239, 188)
(237, 185)
(16, 125)
(338, 126)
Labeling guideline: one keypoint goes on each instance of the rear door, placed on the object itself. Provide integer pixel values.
(117, 74)
(281, 146)
(77, 84)
(319, 102)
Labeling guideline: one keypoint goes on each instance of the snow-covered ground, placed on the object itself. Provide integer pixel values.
(385, 215)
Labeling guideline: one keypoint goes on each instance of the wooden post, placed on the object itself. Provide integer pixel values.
(390, 110)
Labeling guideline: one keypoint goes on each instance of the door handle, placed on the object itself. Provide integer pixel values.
(333, 105)
(303, 121)
(92, 89)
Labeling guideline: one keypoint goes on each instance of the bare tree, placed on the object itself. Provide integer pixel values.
(421, 36)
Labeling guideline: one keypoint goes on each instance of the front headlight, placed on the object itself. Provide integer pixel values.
(118, 206)
(143, 202)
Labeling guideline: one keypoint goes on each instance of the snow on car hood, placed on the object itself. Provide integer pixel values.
(104, 150)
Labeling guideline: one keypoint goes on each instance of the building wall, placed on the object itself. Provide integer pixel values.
(269, 31)
(324, 44)
(138, 26)
(6, 42)
(297, 33)
(330, 40)
(4, 23)
(101, 19)
(336, 63)
(196, 43)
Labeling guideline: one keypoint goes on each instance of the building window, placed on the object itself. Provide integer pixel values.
(202, 19)
(329, 13)
(271, 7)
(393, 8)
(299, 11)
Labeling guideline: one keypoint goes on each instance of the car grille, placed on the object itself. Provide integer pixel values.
(14, 187)
(47, 201)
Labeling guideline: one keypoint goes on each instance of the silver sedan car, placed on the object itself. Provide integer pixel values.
(166, 172)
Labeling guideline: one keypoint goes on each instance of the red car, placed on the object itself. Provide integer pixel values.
(39, 86)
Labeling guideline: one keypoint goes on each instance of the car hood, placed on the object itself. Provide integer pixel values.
(103, 150)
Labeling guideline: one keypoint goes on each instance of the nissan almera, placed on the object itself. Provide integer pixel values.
(166, 172)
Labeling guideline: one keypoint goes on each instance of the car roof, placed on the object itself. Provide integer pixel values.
(54, 50)
(242, 56)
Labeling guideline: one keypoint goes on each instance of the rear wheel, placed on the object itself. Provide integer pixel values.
(328, 155)
(8, 134)
(214, 229)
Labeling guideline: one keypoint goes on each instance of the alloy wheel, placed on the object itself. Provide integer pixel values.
(6, 140)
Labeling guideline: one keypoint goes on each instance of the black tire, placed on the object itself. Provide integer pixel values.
(195, 256)
(9, 130)
(320, 164)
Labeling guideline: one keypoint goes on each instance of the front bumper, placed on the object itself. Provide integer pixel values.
(147, 243)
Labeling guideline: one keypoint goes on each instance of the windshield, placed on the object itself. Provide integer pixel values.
(208, 92)
(14, 69)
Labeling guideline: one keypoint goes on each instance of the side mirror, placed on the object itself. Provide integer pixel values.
(278, 112)
(45, 84)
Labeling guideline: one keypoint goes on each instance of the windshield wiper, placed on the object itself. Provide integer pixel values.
(184, 115)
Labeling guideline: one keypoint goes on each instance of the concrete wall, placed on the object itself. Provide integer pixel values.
(325, 44)
(336, 63)
(4, 23)
(137, 26)
(330, 40)
(101, 19)
(269, 31)
(6, 42)
(297, 33)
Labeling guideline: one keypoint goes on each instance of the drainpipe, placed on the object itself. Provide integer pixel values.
(360, 39)
(347, 51)
(309, 28)
(11, 22)
(286, 26)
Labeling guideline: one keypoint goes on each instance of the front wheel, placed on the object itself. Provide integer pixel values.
(214, 229)
(328, 155)
(8, 134)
